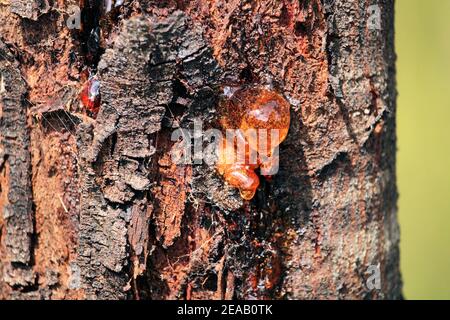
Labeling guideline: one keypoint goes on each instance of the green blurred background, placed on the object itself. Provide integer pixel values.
(423, 75)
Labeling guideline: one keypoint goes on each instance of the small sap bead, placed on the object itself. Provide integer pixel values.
(90, 95)
(263, 117)
(243, 178)
(265, 110)
(247, 194)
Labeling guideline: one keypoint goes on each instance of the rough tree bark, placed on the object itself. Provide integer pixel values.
(94, 208)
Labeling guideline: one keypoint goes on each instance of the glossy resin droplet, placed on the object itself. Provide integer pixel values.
(245, 179)
(263, 116)
(266, 112)
(239, 174)
(90, 96)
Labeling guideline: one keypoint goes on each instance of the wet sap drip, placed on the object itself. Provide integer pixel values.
(90, 96)
(263, 116)
(267, 111)
(245, 179)
(97, 18)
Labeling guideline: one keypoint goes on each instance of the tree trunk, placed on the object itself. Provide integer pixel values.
(92, 204)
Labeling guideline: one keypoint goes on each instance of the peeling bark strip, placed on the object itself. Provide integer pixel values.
(16, 208)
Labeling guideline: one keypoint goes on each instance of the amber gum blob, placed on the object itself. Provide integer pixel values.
(90, 95)
(264, 111)
(243, 178)
(256, 111)
(238, 175)
(228, 156)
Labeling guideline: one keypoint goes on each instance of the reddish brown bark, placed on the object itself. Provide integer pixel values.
(92, 205)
